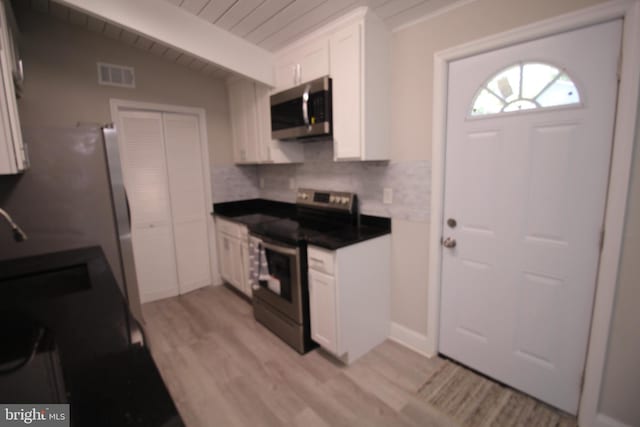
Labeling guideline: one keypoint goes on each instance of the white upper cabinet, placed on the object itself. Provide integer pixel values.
(347, 92)
(355, 51)
(242, 106)
(360, 57)
(250, 111)
(273, 150)
(12, 152)
(302, 64)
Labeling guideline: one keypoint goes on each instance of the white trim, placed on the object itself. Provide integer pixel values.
(621, 163)
(623, 143)
(432, 15)
(606, 421)
(410, 339)
(121, 104)
(146, 297)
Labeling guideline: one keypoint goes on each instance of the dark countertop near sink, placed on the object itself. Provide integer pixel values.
(74, 295)
(253, 212)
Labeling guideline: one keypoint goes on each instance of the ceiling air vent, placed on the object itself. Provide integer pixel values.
(116, 75)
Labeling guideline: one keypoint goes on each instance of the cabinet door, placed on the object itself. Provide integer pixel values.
(314, 60)
(244, 261)
(286, 72)
(249, 109)
(346, 73)
(225, 257)
(323, 310)
(244, 121)
(238, 125)
(237, 264)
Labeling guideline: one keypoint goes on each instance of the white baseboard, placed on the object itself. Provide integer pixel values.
(194, 286)
(410, 339)
(603, 420)
(156, 295)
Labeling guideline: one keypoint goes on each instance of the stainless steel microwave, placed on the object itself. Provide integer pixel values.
(302, 112)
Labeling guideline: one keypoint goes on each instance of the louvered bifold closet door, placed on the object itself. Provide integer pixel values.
(146, 181)
(188, 205)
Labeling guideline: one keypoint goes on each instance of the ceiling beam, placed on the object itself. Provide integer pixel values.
(165, 23)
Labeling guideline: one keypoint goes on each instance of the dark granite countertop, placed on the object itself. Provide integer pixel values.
(256, 212)
(75, 298)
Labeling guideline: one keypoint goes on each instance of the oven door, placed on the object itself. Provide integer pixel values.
(282, 289)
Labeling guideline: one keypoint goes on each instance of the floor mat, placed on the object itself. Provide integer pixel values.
(476, 401)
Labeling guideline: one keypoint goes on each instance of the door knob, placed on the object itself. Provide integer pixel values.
(449, 243)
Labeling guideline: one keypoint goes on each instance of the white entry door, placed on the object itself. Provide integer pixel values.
(529, 131)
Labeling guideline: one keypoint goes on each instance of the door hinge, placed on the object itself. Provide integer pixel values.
(601, 239)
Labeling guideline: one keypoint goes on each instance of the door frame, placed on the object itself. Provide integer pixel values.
(619, 176)
(117, 105)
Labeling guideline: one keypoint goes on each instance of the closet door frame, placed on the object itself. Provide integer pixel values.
(118, 105)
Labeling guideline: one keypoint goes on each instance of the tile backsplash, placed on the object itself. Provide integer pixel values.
(230, 183)
(410, 182)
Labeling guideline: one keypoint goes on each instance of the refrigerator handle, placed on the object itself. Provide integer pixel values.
(126, 201)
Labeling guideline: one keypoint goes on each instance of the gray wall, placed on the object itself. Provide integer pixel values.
(61, 90)
(621, 384)
(61, 83)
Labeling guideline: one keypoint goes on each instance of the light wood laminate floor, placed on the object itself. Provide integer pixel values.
(224, 369)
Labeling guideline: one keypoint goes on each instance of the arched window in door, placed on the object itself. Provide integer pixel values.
(525, 86)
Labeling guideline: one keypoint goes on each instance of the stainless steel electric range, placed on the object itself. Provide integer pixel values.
(280, 286)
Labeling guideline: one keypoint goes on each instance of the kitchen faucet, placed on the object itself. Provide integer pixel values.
(18, 234)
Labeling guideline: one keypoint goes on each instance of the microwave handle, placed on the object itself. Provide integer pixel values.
(305, 106)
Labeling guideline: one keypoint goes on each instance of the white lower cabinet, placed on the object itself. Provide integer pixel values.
(233, 254)
(322, 291)
(350, 297)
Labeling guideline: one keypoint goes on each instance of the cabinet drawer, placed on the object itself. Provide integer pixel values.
(321, 260)
(231, 228)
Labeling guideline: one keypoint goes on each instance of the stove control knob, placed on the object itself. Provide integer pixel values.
(332, 199)
(345, 200)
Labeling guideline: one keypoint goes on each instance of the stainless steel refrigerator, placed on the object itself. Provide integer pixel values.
(72, 196)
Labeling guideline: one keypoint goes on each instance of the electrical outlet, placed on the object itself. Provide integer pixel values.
(387, 196)
(292, 183)
(261, 182)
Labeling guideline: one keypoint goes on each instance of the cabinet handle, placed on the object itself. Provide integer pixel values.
(298, 74)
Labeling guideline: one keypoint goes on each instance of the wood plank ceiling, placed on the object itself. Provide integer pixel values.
(270, 24)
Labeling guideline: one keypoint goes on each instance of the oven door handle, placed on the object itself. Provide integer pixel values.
(280, 249)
